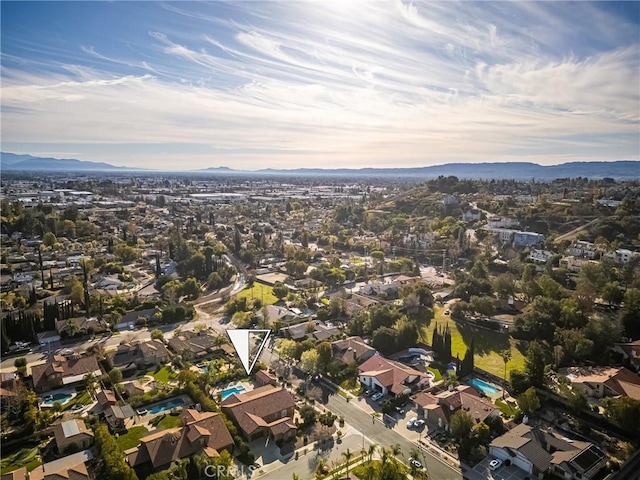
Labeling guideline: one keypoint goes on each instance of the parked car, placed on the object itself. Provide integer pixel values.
(367, 393)
(415, 463)
(412, 422)
(142, 411)
(77, 406)
(400, 410)
(418, 423)
(377, 396)
(495, 464)
(447, 312)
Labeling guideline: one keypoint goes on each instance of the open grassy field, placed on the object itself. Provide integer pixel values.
(488, 344)
(132, 437)
(263, 292)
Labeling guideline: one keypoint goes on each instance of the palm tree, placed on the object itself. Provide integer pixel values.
(372, 451)
(506, 356)
(295, 476)
(348, 455)
(396, 450)
(90, 384)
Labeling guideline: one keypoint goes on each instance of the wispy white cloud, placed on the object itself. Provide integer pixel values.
(341, 83)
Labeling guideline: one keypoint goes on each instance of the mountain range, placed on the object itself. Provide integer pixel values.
(621, 169)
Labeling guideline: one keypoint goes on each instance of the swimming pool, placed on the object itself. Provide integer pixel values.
(166, 405)
(57, 397)
(487, 388)
(232, 390)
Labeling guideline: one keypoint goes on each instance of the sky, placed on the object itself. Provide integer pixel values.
(333, 83)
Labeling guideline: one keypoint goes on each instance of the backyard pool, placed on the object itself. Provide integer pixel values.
(166, 405)
(57, 397)
(232, 390)
(485, 387)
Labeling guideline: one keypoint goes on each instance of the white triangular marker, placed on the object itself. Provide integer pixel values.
(240, 338)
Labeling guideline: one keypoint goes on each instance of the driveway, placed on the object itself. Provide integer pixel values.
(502, 473)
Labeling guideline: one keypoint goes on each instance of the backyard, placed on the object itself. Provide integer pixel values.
(488, 344)
(26, 457)
(132, 437)
(164, 375)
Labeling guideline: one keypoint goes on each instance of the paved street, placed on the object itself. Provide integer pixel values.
(378, 433)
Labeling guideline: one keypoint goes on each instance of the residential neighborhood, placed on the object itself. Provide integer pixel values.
(448, 329)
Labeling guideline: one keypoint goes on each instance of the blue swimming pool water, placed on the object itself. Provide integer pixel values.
(230, 391)
(487, 388)
(166, 405)
(58, 397)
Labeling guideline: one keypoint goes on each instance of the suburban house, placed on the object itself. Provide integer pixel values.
(119, 417)
(352, 350)
(390, 377)
(630, 353)
(539, 451)
(72, 433)
(139, 354)
(106, 398)
(265, 378)
(199, 346)
(264, 411)
(71, 467)
(61, 372)
(200, 432)
(83, 325)
(527, 239)
(599, 382)
(130, 319)
(582, 249)
(471, 215)
(439, 408)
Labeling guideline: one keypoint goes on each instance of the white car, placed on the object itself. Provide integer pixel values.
(418, 423)
(495, 464)
(412, 422)
(415, 463)
(377, 396)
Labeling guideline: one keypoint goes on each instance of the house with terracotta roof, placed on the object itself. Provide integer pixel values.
(106, 398)
(266, 410)
(390, 377)
(265, 378)
(197, 346)
(61, 372)
(72, 433)
(539, 451)
(71, 467)
(439, 408)
(200, 432)
(352, 350)
(599, 382)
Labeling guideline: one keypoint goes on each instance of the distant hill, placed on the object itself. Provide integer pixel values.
(516, 170)
(622, 169)
(28, 163)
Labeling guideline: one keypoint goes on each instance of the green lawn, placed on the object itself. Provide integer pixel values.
(82, 398)
(26, 457)
(169, 421)
(261, 291)
(506, 408)
(488, 344)
(164, 375)
(132, 437)
(436, 372)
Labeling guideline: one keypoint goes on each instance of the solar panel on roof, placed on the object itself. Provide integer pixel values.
(70, 428)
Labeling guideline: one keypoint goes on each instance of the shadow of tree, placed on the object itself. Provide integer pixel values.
(485, 341)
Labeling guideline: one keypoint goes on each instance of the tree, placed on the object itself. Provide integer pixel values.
(461, 424)
(309, 361)
(529, 401)
(308, 415)
(280, 290)
(348, 455)
(481, 433)
(506, 356)
(385, 340)
(630, 312)
(111, 459)
(156, 334)
(21, 367)
(324, 354)
(535, 363)
(115, 375)
(287, 348)
(49, 239)
(191, 288)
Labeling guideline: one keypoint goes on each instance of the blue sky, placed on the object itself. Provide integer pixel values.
(357, 83)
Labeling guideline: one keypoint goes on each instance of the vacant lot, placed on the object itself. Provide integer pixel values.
(488, 344)
(263, 292)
